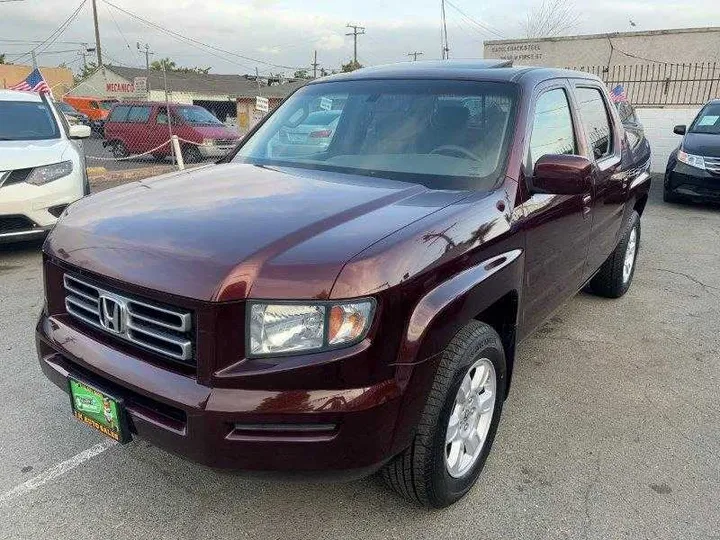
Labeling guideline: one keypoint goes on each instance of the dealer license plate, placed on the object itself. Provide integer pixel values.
(98, 410)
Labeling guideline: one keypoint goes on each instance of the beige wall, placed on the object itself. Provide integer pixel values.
(671, 46)
(105, 83)
(59, 79)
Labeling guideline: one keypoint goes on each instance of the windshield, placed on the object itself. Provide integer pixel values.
(708, 120)
(64, 107)
(27, 121)
(196, 115)
(107, 105)
(442, 134)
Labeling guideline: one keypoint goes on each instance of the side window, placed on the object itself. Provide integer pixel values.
(594, 117)
(139, 114)
(552, 131)
(162, 117)
(119, 113)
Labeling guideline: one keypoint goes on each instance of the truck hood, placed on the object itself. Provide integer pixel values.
(26, 154)
(233, 231)
(702, 144)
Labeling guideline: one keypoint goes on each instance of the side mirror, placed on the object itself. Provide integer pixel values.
(680, 129)
(78, 131)
(562, 174)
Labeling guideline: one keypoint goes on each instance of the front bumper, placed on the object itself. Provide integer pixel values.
(692, 183)
(293, 430)
(214, 150)
(39, 205)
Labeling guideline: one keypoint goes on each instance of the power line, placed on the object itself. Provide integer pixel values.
(54, 35)
(197, 42)
(483, 26)
(122, 35)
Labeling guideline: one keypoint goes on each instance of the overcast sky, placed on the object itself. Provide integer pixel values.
(285, 32)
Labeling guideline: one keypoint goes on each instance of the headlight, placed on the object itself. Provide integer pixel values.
(689, 159)
(42, 175)
(208, 142)
(296, 328)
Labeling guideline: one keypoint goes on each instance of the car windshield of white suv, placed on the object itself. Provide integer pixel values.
(708, 120)
(442, 134)
(197, 116)
(27, 121)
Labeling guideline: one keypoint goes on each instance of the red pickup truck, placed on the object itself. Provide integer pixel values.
(351, 306)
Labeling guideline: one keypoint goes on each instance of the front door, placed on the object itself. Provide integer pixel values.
(604, 150)
(557, 226)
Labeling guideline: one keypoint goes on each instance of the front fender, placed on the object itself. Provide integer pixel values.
(435, 320)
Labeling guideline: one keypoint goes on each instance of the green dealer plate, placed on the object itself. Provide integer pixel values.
(98, 410)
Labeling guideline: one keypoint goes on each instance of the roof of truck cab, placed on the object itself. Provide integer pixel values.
(473, 70)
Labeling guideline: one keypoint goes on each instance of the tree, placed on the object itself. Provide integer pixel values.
(2, 58)
(87, 70)
(352, 65)
(551, 18)
(302, 74)
(169, 65)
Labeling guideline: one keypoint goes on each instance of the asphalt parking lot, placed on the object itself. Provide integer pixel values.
(97, 155)
(611, 430)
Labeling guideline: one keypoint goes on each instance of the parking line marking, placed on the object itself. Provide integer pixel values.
(56, 471)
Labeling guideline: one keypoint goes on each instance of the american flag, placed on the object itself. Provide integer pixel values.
(33, 83)
(618, 94)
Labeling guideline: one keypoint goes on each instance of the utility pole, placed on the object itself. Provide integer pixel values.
(148, 53)
(315, 66)
(444, 34)
(97, 33)
(415, 55)
(34, 59)
(357, 31)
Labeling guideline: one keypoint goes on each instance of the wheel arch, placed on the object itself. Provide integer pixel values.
(488, 292)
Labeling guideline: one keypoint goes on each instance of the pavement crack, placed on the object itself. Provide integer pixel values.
(705, 286)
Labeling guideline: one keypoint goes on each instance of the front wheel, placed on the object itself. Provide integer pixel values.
(191, 154)
(458, 424)
(616, 274)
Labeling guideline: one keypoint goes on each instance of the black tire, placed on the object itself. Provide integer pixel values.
(191, 154)
(119, 150)
(610, 281)
(419, 474)
(669, 196)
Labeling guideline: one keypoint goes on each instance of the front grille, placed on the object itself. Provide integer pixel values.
(15, 177)
(226, 142)
(159, 329)
(712, 164)
(14, 224)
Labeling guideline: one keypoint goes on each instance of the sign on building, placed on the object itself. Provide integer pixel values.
(262, 104)
(140, 84)
(120, 87)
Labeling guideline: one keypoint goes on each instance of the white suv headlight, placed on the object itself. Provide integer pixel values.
(689, 159)
(42, 175)
(283, 328)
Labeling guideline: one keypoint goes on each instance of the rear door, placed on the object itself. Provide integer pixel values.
(557, 226)
(603, 141)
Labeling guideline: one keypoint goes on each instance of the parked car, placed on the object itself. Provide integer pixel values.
(693, 169)
(313, 132)
(143, 126)
(42, 170)
(358, 307)
(97, 109)
(71, 115)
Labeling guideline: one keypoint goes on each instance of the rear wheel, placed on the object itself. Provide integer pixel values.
(458, 425)
(119, 150)
(616, 274)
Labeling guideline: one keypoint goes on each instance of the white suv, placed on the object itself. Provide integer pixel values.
(42, 170)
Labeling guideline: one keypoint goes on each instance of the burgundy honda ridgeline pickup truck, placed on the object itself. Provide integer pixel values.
(351, 305)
